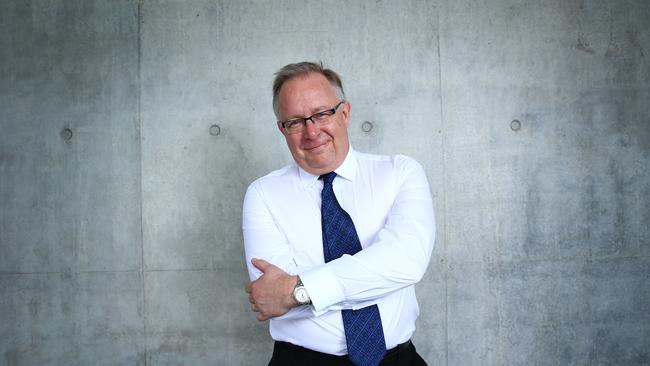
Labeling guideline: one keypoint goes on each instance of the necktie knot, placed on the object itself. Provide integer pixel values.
(328, 178)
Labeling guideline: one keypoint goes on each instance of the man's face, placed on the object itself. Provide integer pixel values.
(318, 149)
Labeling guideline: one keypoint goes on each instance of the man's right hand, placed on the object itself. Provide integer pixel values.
(271, 295)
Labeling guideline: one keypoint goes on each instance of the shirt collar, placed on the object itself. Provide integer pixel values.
(347, 170)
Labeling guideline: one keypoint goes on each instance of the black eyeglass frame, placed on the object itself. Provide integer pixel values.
(327, 112)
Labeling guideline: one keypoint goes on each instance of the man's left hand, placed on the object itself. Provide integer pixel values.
(271, 295)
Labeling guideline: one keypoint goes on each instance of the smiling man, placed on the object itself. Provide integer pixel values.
(335, 242)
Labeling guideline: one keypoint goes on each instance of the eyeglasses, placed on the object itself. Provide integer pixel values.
(298, 125)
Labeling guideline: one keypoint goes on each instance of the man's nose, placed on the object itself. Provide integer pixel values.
(311, 129)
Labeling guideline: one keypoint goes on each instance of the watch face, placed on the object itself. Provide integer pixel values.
(301, 295)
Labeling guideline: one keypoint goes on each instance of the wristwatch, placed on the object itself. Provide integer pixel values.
(300, 293)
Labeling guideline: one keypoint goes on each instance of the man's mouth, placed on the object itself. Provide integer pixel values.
(315, 147)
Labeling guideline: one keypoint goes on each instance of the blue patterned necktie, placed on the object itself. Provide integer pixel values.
(363, 330)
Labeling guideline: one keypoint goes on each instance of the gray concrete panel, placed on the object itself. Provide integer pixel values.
(194, 181)
(561, 312)
(200, 318)
(619, 311)
(69, 151)
(71, 319)
(472, 314)
(538, 301)
(565, 180)
(571, 313)
(535, 206)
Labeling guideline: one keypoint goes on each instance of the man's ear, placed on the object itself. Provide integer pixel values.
(346, 112)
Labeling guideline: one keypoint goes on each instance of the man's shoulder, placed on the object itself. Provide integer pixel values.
(278, 176)
(397, 161)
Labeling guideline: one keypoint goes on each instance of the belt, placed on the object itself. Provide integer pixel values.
(389, 353)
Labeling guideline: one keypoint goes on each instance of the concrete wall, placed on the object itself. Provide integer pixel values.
(130, 130)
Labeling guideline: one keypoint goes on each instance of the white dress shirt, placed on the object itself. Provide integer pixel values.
(389, 201)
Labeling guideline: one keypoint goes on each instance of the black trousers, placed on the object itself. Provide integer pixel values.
(287, 354)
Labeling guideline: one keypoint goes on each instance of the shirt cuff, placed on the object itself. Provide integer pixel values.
(322, 287)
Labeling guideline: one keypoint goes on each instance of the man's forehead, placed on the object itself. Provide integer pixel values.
(306, 93)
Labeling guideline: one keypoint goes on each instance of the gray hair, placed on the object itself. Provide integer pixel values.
(302, 69)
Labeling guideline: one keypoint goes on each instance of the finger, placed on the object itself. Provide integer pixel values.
(260, 264)
(249, 287)
(250, 299)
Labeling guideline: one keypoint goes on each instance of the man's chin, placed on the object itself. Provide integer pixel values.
(318, 166)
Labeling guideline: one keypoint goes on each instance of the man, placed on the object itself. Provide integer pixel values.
(336, 242)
